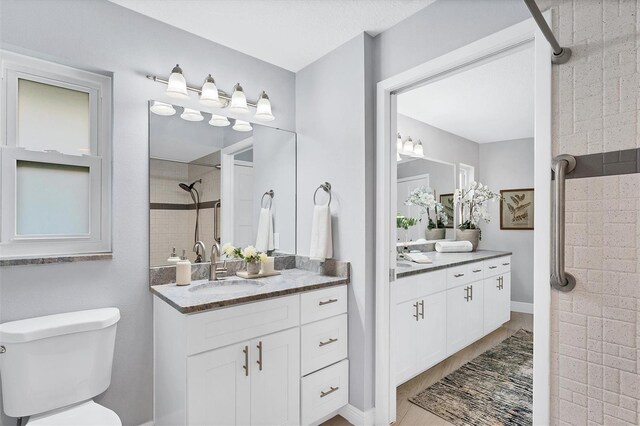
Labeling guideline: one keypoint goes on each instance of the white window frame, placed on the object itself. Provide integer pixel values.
(14, 67)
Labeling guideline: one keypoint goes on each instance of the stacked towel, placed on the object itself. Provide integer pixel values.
(264, 237)
(453, 246)
(321, 242)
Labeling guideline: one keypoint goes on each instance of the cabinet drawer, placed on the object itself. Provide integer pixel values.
(476, 270)
(321, 304)
(214, 329)
(497, 266)
(420, 285)
(458, 275)
(325, 391)
(323, 343)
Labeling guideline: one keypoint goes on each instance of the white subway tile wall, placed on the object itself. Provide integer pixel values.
(596, 108)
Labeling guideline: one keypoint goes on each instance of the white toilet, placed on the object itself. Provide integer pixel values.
(51, 367)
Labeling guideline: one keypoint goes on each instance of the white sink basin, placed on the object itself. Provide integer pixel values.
(227, 287)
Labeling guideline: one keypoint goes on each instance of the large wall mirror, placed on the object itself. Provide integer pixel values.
(211, 179)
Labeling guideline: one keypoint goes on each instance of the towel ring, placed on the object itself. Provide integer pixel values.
(327, 188)
(270, 193)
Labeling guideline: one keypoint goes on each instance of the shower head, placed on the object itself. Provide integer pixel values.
(188, 188)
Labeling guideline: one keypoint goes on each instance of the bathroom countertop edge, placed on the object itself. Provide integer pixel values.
(429, 267)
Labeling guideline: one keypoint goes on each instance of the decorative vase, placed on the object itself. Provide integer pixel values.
(253, 267)
(471, 235)
(435, 234)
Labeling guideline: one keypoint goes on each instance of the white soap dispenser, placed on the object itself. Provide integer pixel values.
(173, 259)
(183, 270)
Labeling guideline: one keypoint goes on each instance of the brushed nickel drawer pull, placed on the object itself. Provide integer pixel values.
(492, 267)
(246, 360)
(332, 390)
(458, 275)
(321, 344)
(321, 303)
(259, 361)
(422, 309)
(477, 270)
(506, 264)
(416, 315)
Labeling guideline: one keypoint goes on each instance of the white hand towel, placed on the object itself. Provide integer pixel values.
(321, 242)
(264, 236)
(453, 246)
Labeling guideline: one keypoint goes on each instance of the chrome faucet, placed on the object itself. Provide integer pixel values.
(213, 269)
(199, 258)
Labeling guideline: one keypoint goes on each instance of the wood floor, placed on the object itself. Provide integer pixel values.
(409, 414)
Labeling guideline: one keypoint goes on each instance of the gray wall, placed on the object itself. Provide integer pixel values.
(98, 35)
(440, 28)
(509, 165)
(334, 112)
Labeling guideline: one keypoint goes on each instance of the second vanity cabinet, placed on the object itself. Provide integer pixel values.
(260, 363)
(440, 312)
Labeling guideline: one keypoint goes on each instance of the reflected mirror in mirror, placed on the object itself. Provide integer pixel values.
(207, 182)
(434, 182)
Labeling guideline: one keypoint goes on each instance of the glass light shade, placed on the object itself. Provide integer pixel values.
(408, 146)
(238, 100)
(219, 120)
(263, 108)
(242, 126)
(418, 150)
(209, 93)
(398, 158)
(399, 143)
(191, 115)
(162, 108)
(177, 85)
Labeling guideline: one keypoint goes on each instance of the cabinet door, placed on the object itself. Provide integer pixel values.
(405, 336)
(275, 379)
(218, 386)
(475, 312)
(431, 336)
(458, 300)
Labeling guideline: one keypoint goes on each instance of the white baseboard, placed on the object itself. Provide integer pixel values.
(525, 308)
(355, 416)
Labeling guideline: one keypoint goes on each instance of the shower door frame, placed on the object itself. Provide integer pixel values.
(386, 198)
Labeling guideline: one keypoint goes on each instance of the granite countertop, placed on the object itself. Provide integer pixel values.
(406, 268)
(201, 295)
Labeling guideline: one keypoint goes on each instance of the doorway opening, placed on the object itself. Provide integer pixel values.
(479, 114)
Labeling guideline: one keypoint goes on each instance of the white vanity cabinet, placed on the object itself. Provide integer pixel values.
(251, 364)
(439, 313)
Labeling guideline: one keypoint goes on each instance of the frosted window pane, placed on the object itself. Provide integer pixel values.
(52, 199)
(51, 117)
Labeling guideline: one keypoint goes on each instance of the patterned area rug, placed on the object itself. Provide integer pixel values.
(495, 388)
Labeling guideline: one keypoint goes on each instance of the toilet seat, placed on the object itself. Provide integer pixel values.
(87, 413)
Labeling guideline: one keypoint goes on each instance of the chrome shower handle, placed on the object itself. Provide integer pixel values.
(560, 279)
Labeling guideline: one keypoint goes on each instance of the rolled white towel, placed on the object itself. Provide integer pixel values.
(453, 246)
(321, 240)
(264, 236)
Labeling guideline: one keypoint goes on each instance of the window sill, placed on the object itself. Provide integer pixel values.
(46, 260)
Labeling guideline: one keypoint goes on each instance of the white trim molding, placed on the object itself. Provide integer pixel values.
(356, 416)
(522, 307)
(485, 49)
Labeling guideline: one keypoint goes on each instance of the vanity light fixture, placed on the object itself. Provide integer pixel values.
(177, 85)
(219, 120)
(398, 158)
(407, 147)
(418, 149)
(399, 143)
(242, 126)
(209, 93)
(191, 115)
(162, 108)
(238, 100)
(263, 109)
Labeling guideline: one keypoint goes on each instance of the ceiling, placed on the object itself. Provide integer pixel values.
(489, 103)
(288, 33)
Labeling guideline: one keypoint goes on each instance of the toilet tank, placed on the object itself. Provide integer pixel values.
(57, 360)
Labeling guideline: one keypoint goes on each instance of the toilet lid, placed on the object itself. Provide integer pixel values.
(85, 414)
